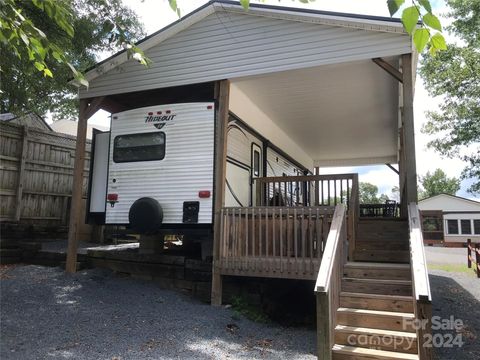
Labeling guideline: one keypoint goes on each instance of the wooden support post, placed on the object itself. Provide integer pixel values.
(409, 131)
(423, 313)
(222, 105)
(324, 341)
(86, 110)
(21, 175)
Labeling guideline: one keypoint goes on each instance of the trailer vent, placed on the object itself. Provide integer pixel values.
(190, 212)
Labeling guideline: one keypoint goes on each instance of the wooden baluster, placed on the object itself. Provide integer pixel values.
(335, 192)
(328, 193)
(260, 232)
(341, 191)
(310, 238)
(318, 227)
(304, 231)
(267, 223)
(281, 240)
(295, 235)
(247, 239)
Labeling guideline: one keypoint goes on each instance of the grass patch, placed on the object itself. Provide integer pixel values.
(459, 268)
(241, 306)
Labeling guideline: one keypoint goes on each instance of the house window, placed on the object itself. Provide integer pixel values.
(139, 147)
(452, 226)
(476, 227)
(432, 223)
(466, 227)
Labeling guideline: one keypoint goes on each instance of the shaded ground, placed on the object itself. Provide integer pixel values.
(95, 315)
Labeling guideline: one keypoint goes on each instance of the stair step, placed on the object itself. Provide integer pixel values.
(399, 341)
(376, 319)
(374, 270)
(381, 244)
(376, 302)
(387, 256)
(377, 286)
(344, 352)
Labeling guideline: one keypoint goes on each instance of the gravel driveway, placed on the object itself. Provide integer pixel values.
(47, 314)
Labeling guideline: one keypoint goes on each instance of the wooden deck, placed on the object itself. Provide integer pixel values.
(284, 235)
(280, 242)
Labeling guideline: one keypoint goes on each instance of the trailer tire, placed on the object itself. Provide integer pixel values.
(146, 215)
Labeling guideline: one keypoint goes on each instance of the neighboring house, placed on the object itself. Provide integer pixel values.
(69, 127)
(31, 120)
(450, 220)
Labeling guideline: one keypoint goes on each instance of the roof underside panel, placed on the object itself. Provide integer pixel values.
(228, 45)
(341, 115)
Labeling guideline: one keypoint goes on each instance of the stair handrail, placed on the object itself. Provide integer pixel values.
(417, 256)
(420, 283)
(328, 285)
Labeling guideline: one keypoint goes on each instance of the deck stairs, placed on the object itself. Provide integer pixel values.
(376, 298)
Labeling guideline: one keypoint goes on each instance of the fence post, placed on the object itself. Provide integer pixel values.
(21, 175)
(477, 258)
(469, 253)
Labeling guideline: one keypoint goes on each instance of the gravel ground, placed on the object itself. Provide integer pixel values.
(47, 314)
(458, 295)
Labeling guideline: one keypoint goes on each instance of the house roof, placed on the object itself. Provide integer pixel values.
(30, 119)
(376, 23)
(447, 202)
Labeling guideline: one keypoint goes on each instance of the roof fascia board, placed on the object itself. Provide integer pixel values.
(455, 197)
(356, 162)
(161, 36)
(316, 18)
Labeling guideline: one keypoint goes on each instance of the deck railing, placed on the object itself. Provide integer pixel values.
(420, 283)
(308, 190)
(283, 242)
(328, 285)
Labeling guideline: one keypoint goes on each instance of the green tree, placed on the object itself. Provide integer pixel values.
(84, 29)
(368, 194)
(454, 75)
(437, 183)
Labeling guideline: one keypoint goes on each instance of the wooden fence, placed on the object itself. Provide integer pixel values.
(36, 173)
(473, 260)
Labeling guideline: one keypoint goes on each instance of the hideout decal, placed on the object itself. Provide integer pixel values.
(159, 120)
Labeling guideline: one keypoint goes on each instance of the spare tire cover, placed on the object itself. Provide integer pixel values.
(146, 215)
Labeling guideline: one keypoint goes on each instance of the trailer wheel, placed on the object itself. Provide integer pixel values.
(146, 215)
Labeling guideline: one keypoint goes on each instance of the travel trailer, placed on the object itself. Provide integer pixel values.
(154, 171)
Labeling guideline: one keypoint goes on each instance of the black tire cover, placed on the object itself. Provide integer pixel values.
(145, 215)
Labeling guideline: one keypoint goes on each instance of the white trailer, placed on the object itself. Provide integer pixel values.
(154, 170)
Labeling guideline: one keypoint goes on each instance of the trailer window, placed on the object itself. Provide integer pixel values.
(256, 163)
(139, 147)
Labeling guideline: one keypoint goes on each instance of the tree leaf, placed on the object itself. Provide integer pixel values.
(39, 65)
(245, 4)
(438, 42)
(173, 5)
(420, 39)
(47, 72)
(410, 17)
(426, 5)
(394, 5)
(432, 21)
